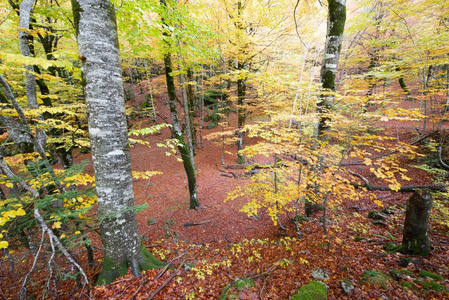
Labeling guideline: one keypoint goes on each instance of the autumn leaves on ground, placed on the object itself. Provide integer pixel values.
(312, 123)
(218, 251)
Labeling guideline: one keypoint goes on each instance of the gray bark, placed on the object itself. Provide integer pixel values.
(335, 27)
(24, 23)
(99, 49)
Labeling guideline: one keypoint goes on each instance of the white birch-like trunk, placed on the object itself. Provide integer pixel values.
(99, 51)
(30, 86)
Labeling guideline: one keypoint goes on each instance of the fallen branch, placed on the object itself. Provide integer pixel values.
(255, 166)
(168, 265)
(225, 173)
(196, 223)
(166, 282)
(403, 189)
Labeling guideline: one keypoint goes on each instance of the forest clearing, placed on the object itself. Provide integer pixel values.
(230, 149)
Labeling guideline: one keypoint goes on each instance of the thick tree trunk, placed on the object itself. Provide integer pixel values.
(99, 50)
(176, 128)
(335, 27)
(415, 239)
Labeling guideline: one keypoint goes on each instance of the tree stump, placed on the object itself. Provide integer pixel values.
(415, 239)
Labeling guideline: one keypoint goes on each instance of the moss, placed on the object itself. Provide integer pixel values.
(328, 80)
(314, 290)
(112, 270)
(243, 283)
(337, 16)
(375, 278)
(435, 286)
(392, 247)
(434, 276)
(77, 10)
(417, 246)
(407, 284)
(149, 260)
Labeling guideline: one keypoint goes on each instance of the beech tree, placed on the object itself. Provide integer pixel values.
(96, 31)
(334, 37)
(172, 101)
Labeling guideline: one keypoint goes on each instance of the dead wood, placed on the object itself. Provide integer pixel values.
(404, 188)
(196, 223)
(166, 282)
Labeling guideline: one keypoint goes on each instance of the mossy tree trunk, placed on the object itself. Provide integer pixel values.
(176, 128)
(336, 19)
(98, 45)
(415, 238)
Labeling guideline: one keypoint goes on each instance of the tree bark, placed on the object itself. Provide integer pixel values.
(98, 45)
(336, 19)
(241, 95)
(191, 104)
(176, 128)
(415, 238)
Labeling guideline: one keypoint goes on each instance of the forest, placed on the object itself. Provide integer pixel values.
(224, 149)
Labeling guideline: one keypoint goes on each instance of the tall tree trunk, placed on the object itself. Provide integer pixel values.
(188, 118)
(30, 86)
(335, 27)
(241, 95)
(191, 104)
(98, 45)
(176, 128)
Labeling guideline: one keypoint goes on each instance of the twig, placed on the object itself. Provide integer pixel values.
(138, 289)
(23, 289)
(50, 276)
(168, 265)
(167, 281)
(197, 223)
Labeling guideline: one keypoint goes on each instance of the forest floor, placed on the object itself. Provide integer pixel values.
(218, 251)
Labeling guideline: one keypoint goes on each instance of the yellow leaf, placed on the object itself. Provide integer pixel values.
(77, 232)
(4, 244)
(9, 185)
(378, 203)
(56, 225)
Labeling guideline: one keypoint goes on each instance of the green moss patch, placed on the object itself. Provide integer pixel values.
(428, 274)
(375, 278)
(314, 290)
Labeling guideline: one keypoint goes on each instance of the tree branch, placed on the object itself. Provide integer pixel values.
(403, 189)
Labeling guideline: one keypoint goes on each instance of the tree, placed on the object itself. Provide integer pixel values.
(172, 100)
(334, 37)
(96, 32)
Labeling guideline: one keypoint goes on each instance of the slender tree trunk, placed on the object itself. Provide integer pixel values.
(176, 128)
(96, 31)
(335, 28)
(241, 95)
(191, 104)
(187, 117)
